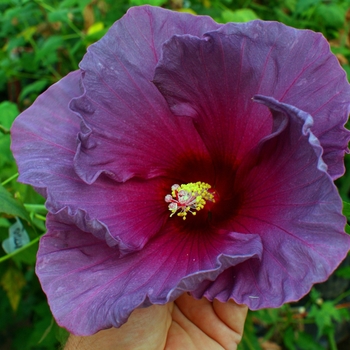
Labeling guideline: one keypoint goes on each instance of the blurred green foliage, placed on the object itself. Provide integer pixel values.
(40, 42)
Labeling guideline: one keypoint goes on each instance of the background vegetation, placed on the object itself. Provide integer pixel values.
(43, 40)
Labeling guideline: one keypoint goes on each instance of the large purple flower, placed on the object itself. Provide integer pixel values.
(172, 115)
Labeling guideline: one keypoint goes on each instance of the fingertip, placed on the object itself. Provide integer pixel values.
(232, 314)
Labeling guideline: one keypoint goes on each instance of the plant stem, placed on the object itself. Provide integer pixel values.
(9, 179)
(331, 340)
(10, 255)
(35, 207)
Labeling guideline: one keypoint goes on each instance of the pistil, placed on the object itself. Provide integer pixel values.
(189, 198)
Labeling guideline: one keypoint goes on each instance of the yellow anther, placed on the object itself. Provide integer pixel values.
(188, 197)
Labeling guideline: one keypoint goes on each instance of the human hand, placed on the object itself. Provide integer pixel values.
(186, 324)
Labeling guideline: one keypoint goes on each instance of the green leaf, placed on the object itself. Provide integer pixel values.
(331, 15)
(288, 339)
(95, 28)
(43, 332)
(13, 12)
(48, 51)
(74, 3)
(343, 272)
(68, 3)
(4, 223)
(93, 36)
(27, 61)
(58, 16)
(147, 2)
(28, 255)
(346, 212)
(28, 33)
(346, 209)
(7, 165)
(268, 316)
(242, 15)
(8, 113)
(10, 206)
(314, 295)
(304, 5)
(306, 341)
(324, 316)
(36, 87)
(12, 282)
(347, 229)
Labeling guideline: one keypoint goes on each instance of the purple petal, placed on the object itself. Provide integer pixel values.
(291, 202)
(128, 129)
(45, 135)
(214, 78)
(125, 215)
(90, 288)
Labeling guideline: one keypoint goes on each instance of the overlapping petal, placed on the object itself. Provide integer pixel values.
(90, 287)
(126, 120)
(44, 141)
(44, 137)
(218, 75)
(292, 203)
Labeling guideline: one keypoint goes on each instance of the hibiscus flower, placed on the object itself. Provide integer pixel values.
(187, 156)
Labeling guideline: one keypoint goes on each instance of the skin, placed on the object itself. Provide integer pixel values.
(184, 324)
